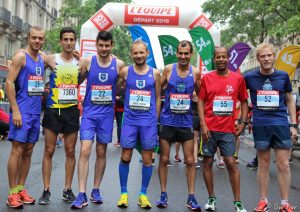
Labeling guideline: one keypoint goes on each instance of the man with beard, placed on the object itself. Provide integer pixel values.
(271, 96)
(141, 111)
(220, 90)
(62, 114)
(101, 72)
(176, 120)
(24, 88)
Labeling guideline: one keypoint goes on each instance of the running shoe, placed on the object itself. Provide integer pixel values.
(45, 198)
(197, 164)
(211, 204)
(25, 197)
(144, 202)
(117, 144)
(14, 201)
(123, 201)
(59, 143)
(68, 195)
(80, 201)
(96, 197)
(252, 164)
(177, 158)
(169, 164)
(162, 202)
(238, 207)
(286, 208)
(220, 164)
(262, 205)
(193, 205)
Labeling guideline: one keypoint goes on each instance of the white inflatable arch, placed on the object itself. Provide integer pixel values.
(112, 14)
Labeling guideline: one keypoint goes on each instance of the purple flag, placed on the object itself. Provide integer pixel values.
(237, 54)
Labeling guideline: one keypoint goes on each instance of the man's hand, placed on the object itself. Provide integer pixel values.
(239, 129)
(76, 54)
(294, 134)
(17, 118)
(205, 133)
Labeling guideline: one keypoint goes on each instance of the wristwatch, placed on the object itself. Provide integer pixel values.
(294, 125)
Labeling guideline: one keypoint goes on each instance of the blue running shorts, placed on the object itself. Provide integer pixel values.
(102, 126)
(147, 136)
(275, 136)
(225, 142)
(30, 130)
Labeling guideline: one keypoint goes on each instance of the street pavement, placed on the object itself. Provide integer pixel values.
(177, 189)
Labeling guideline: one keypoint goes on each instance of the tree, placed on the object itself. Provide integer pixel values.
(121, 35)
(252, 21)
(74, 13)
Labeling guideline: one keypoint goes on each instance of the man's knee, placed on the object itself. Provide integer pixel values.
(164, 160)
(70, 153)
(189, 161)
(283, 167)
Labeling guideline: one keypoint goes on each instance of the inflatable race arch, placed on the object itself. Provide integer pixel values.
(113, 14)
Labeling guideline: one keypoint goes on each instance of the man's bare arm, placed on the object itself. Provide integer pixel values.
(165, 75)
(157, 91)
(18, 62)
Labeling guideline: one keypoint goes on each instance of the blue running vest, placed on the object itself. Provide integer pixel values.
(177, 110)
(140, 99)
(29, 86)
(100, 89)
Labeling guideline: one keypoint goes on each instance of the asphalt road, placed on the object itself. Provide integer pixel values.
(177, 190)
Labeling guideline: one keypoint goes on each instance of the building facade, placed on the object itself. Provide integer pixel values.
(17, 16)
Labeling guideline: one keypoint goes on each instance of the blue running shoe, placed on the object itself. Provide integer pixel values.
(193, 205)
(96, 197)
(162, 202)
(80, 201)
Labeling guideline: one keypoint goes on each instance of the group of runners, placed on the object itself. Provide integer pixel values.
(218, 92)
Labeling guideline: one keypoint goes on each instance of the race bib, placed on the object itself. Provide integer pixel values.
(139, 100)
(180, 103)
(35, 85)
(223, 106)
(67, 94)
(101, 94)
(267, 100)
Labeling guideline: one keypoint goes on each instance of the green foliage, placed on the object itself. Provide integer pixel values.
(252, 21)
(74, 13)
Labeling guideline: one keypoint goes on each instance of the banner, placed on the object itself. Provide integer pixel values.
(288, 59)
(138, 33)
(168, 45)
(204, 44)
(237, 54)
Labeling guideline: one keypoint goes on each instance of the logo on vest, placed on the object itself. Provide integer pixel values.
(140, 83)
(267, 85)
(229, 89)
(180, 87)
(38, 71)
(67, 79)
(103, 77)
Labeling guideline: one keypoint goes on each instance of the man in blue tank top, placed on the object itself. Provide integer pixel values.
(24, 88)
(141, 111)
(101, 72)
(271, 96)
(176, 120)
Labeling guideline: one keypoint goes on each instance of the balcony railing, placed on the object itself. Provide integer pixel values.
(5, 15)
(26, 27)
(17, 22)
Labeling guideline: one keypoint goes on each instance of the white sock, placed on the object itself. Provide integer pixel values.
(283, 202)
